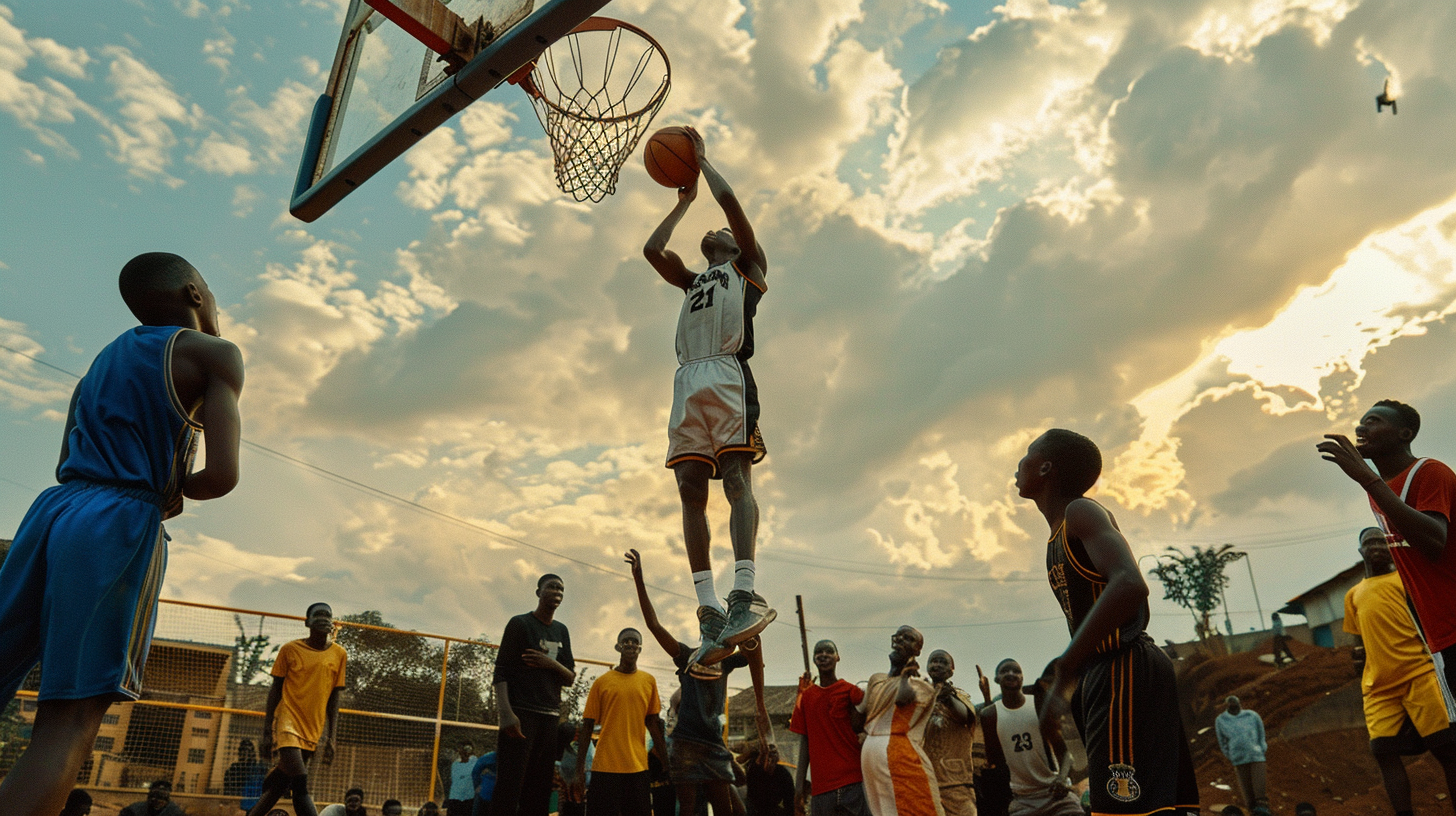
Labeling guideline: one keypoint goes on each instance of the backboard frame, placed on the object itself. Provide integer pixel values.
(489, 68)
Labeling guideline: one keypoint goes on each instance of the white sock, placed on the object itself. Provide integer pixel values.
(703, 585)
(743, 575)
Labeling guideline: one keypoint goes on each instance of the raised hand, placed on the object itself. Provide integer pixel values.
(1339, 449)
(632, 557)
(685, 195)
(699, 146)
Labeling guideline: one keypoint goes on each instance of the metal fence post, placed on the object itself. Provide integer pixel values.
(439, 716)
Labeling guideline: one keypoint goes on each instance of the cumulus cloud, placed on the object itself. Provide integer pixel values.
(217, 155)
(912, 343)
(39, 104)
(143, 139)
(203, 568)
(23, 386)
(1175, 227)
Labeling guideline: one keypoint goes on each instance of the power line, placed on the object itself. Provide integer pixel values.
(370, 490)
(1263, 541)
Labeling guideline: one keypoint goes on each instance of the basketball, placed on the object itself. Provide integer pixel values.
(670, 158)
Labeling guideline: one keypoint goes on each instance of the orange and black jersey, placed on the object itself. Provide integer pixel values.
(1077, 585)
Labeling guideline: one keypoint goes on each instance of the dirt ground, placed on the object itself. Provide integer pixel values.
(1333, 770)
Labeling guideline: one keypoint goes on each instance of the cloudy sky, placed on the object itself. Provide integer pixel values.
(1180, 228)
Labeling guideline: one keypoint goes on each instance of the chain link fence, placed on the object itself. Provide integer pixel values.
(411, 698)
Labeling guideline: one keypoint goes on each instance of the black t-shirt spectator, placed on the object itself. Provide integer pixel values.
(534, 690)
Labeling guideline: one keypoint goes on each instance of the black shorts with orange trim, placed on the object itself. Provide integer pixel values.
(1126, 708)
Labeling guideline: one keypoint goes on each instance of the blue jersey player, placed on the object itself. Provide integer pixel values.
(78, 590)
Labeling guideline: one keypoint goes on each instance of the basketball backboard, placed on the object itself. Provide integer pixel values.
(387, 89)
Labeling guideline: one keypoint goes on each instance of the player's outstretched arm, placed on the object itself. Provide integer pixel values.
(664, 638)
(743, 233)
(665, 261)
(219, 367)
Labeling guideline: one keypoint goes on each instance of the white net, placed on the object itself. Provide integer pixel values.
(595, 92)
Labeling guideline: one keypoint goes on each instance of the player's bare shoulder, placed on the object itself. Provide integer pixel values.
(198, 359)
(1086, 516)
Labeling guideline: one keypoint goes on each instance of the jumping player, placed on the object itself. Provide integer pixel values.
(1404, 711)
(302, 712)
(78, 591)
(696, 754)
(713, 431)
(1127, 706)
(1414, 501)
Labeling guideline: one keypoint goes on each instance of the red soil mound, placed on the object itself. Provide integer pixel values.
(1333, 770)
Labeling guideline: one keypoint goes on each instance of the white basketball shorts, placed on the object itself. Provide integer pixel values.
(714, 411)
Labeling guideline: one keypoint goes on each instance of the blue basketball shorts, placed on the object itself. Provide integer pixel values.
(79, 589)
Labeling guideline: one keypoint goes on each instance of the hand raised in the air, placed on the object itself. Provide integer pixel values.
(686, 195)
(1339, 449)
(634, 560)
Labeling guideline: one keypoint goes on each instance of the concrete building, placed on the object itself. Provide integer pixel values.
(1323, 606)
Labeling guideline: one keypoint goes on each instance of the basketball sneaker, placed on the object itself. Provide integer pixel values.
(701, 664)
(748, 614)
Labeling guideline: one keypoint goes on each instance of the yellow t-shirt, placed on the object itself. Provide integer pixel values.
(621, 703)
(309, 677)
(1375, 609)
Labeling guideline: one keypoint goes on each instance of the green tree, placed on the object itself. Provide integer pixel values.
(1195, 581)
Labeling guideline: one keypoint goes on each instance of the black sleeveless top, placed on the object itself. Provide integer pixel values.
(1077, 586)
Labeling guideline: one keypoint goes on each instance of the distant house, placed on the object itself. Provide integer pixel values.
(1324, 607)
(139, 743)
(779, 701)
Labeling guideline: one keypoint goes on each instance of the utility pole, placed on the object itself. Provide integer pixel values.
(1249, 562)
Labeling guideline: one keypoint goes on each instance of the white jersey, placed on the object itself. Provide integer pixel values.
(717, 315)
(1024, 749)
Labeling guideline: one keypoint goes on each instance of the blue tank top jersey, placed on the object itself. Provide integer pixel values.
(130, 429)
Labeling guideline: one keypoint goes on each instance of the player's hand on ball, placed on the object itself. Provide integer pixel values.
(687, 194)
(699, 146)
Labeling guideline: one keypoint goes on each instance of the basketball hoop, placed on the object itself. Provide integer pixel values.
(594, 94)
